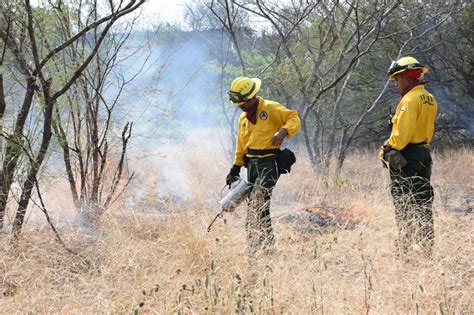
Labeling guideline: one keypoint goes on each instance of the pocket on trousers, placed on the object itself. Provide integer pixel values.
(412, 168)
(395, 159)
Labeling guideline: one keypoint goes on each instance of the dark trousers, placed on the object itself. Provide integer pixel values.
(263, 175)
(412, 196)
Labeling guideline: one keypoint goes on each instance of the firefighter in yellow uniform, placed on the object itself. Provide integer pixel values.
(262, 127)
(407, 155)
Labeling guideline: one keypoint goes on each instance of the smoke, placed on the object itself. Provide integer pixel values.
(176, 91)
(175, 103)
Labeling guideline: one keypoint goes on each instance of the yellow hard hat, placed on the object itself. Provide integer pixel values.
(243, 89)
(403, 64)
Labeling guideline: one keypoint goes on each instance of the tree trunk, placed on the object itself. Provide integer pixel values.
(29, 183)
(14, 149)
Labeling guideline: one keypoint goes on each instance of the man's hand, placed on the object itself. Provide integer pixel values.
(230, 179)
(233, 175)
(279, 136)
(383, 150)
(382, 157)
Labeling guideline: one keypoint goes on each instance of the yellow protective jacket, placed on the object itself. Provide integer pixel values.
(414, 119)
(271, 116)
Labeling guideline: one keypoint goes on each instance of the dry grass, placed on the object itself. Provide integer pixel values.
(170, 264)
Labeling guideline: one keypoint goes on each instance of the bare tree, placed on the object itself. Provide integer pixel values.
(42, 87)
(338, 37)
(322, 46)
(85, 125)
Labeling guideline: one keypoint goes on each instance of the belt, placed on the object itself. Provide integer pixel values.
(262, 160)
(419, 144)
(263, 152)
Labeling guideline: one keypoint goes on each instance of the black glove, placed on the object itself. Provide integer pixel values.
(383, 151)
(233, 174)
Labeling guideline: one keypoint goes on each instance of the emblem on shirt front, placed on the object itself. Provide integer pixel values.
(402, 109)
(263, 115)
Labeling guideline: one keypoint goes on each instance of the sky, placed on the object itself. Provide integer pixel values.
(170, 11)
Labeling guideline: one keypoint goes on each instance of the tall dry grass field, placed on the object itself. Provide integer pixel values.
(154, 255)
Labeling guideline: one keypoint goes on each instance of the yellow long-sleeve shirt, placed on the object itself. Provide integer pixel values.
(414, 118)
(271, 116)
